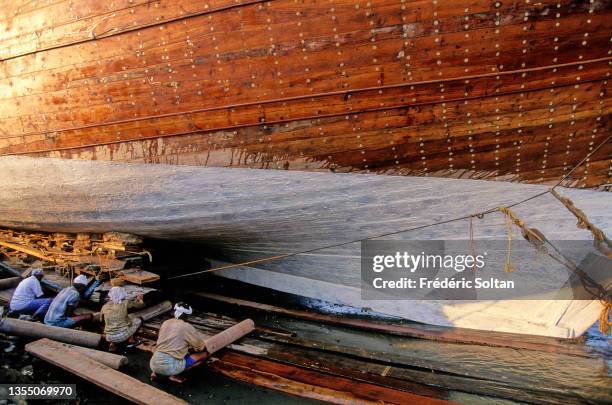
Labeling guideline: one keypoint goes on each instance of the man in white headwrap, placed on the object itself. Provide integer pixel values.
(118, 325)
(174, 341)
(28, 296)
(61, 310)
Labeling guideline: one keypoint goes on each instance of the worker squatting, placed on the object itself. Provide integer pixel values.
(179, 345)
(444, 283)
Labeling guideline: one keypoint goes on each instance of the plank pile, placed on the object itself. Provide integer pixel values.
(285, 349)
(114, 255)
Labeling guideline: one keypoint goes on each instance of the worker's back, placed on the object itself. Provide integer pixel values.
(176, 337)
(69, 296)
(27, 290)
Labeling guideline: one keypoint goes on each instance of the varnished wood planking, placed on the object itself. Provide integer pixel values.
(513, 151)
(119, 43)
(155, 57)
(403, 95)
(271, 51)
(285, 143)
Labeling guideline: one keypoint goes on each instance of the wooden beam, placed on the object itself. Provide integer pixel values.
(27, 250)
(137, 276)
(100, 374)
(430, 332)
(111, 360)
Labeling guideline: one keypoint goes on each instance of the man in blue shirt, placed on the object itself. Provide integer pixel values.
(28, 297)
(61, 311)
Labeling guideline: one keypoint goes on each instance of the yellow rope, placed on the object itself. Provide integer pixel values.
(604, 318)
(508, 265)
(584, 222)
(537, 239)
(472, 244)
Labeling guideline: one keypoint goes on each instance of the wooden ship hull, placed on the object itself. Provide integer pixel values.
(238, 215)
(152, 92)
(509, 90)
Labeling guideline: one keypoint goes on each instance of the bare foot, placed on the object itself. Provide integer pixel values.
(153, 377)
(177, 379)
(112, 347)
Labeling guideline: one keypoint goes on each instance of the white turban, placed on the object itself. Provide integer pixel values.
(117, 294)
(37, 272)
(80, 279)
(182, 309)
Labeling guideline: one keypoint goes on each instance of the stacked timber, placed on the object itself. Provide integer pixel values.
(112, 254)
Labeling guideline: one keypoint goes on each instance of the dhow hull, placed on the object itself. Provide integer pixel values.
(247, 214)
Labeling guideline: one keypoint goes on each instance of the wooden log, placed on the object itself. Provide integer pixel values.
(100, 374)
(10, 282)
(229, 336)
(153, 311)
(430, 332)
(40, 330)
(111, 360)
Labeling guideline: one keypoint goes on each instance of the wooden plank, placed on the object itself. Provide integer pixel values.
(426, 383)
(24, 249)
(137, 276)
(111, 360)
(441, 334)
(409, 359)
(272, 381)
(311, 384)
(101, 375)
(394, 371)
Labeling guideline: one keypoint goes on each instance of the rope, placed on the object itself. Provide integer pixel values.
(472, 244)
(584, 222)
(508, 264)
(537, 239)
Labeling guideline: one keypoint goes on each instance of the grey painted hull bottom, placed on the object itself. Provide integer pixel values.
(247, 214)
